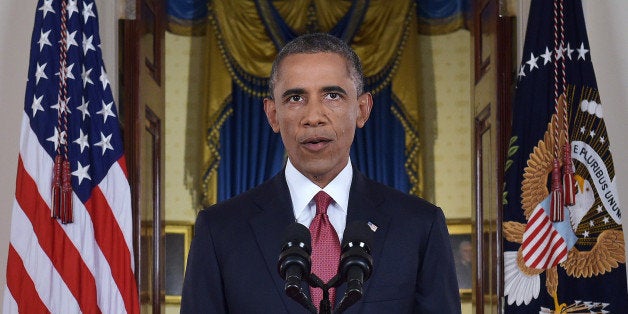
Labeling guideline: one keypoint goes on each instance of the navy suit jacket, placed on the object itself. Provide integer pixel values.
(232, 264)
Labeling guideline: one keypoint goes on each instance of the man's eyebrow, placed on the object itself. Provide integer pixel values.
(334, 89)
(293, 91)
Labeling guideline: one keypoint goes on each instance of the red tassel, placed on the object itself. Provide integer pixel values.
(55, 210)
(66, 195)
(556, 207)
(569, 182)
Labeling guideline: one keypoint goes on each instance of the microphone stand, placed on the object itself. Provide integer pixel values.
(350, 297)
(314, 281)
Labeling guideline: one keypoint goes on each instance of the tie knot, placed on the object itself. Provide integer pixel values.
(322, 201)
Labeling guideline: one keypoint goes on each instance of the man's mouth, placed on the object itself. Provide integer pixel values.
(316, 143)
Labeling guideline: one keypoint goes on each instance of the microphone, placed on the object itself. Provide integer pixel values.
(356, 263)
(295, 262)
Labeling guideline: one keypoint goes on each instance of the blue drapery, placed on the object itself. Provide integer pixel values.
(379, 148)
(251, 153)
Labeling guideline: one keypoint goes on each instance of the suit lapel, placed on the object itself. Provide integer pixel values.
(364, 205)
(269, 225)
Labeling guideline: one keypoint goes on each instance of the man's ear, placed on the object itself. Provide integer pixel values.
(365, 104)
(271, 114)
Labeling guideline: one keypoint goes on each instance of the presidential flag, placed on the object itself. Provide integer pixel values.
(71, 247)
(564, 246)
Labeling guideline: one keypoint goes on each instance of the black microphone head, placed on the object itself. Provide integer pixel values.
(357, 233)
(296, 247)
(297, 234)
(356, 250)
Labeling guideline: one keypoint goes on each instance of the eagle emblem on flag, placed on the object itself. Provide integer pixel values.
(593, 222)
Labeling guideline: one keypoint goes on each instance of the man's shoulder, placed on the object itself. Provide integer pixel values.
(392, 196)
(245, 203)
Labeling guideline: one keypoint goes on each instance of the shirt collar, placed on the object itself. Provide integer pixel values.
(302, 190)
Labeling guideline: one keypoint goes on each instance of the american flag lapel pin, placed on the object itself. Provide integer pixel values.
(372, 226)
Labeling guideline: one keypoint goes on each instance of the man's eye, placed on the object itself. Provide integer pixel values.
(333, 95)
(295, 98)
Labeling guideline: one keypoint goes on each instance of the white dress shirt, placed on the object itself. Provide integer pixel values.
(302, 192)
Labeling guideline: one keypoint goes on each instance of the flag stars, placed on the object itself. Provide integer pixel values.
(585, 234)
(36, 105)
(559, 52)
(68, 71)
(71, 8)
(103, 78)
(87, 44)
(569, 51)
(64, 106)
(105, 142)
(602, 139)
(81, 172)
(547, 56)
(85, 77)
(605, 220)
(83, 108)
(82, 140)
(582, 52)
(87, 12)
(71, 40)
(521, 71)
(599, 209)
(591, 223)
(46, 7)
(106, 111)
(532, 62)
(43, 39)
(592, 133)
(40, 72)
(55, 138)
(582, 130)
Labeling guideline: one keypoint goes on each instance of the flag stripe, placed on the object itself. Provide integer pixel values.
(20, 283)
(542, 246)
(111, 242)
(51, 288)
(117, 193)
(54, 241)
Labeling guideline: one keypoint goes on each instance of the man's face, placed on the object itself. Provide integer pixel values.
(315, 108)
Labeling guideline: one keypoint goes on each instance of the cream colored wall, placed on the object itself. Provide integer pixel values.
(184, 133)
(16, 25)
(446, 117)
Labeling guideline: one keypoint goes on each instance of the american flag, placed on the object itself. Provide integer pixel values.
(83, 262)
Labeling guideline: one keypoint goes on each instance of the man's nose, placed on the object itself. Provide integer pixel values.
(315, 114)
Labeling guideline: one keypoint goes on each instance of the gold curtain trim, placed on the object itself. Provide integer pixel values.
(413, 143)
(235, 71)
(213, 145)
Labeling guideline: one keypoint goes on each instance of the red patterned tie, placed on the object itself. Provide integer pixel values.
(325, 248)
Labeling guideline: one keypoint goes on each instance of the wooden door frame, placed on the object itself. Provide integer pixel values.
(498, 119)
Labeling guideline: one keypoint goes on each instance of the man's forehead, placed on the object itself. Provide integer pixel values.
(308, 62)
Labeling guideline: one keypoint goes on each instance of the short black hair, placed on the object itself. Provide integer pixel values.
(315, 43)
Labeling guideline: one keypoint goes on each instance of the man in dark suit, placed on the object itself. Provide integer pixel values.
(317, 101)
